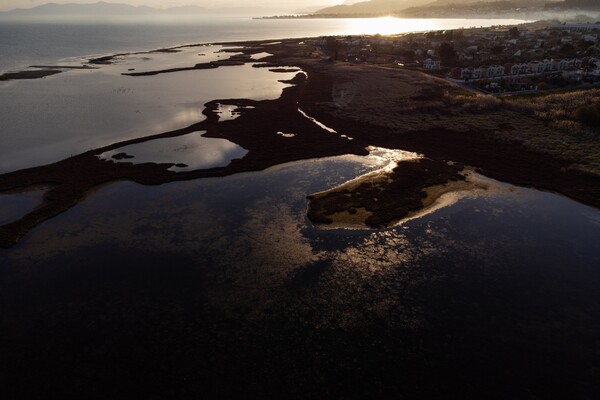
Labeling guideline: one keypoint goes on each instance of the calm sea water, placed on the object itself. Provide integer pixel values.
(23, 44)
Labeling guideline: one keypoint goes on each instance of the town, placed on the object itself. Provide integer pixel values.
(498, 60)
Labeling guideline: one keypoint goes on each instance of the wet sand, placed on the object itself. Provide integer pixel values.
(313, 91)
(385, 198)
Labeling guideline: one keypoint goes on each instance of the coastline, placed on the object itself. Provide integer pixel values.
(223, 288)
(377, 116)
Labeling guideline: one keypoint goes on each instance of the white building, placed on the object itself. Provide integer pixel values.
(547, 65)
(431, 64)
(479, 72)
(535, 67)
(495, 71)
(575, 27)
(572, 74)
(520, 68)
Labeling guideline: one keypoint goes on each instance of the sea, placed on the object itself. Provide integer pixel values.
(23, 44)
(222, 287)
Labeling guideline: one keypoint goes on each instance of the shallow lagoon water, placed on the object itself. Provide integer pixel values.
(210, 279)
(15, 205)
(53, 118)
(489, 279)
(501, 221)
(193, 150)
(203, 268)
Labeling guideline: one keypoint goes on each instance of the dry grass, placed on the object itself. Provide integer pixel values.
(405, 101)
(471, 103)
(411, 101)
(564, 134)
(560, 109)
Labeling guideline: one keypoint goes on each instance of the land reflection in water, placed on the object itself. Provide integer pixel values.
(187, 152)
(15, 205)
(79, 110)
(233, 263)
(220, 280)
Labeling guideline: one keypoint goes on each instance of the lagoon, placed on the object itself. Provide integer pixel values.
(222, 286)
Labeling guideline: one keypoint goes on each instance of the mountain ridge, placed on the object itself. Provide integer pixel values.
(108, 9)
(395, 6)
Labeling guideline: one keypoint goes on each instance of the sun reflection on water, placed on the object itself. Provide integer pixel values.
(189, 152)
(386, 25)
(392, 25)
(389, 158)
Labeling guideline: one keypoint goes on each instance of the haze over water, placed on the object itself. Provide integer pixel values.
(23, 44)
(202, 288)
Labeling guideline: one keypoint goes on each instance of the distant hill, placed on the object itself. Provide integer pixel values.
(380, 7)
(577, 4)
(373, 7)
(523, 9)
(100, 8)
(104, 10)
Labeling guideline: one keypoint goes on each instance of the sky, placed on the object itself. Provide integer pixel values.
(6, 5)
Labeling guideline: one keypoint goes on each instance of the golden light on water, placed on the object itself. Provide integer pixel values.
(384, 25)
(389, 158)
(392, 25)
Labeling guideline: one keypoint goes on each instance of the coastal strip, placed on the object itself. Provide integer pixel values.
(391, 108)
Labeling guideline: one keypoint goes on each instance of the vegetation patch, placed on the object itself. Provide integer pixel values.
(589, 115)
(572, 129)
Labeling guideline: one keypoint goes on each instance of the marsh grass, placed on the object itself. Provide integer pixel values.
(460, 101)
(571, 126)
(407, 101)
(577, 110)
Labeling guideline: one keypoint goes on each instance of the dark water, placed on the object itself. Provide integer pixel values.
(15, 205)
(189, 152)
(222, 287)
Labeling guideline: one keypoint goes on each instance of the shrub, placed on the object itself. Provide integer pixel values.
(589, 114)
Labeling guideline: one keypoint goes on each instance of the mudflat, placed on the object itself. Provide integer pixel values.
(340, 108)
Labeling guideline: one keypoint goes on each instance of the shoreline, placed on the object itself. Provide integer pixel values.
(384, 198)
(377, 116)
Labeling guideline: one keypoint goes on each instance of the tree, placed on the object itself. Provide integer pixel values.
(583, 44)
(448, 35)
(408, 54)
(447, 53)
(588, 114)
(497, 50)
(332, 47)
(567, 50)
